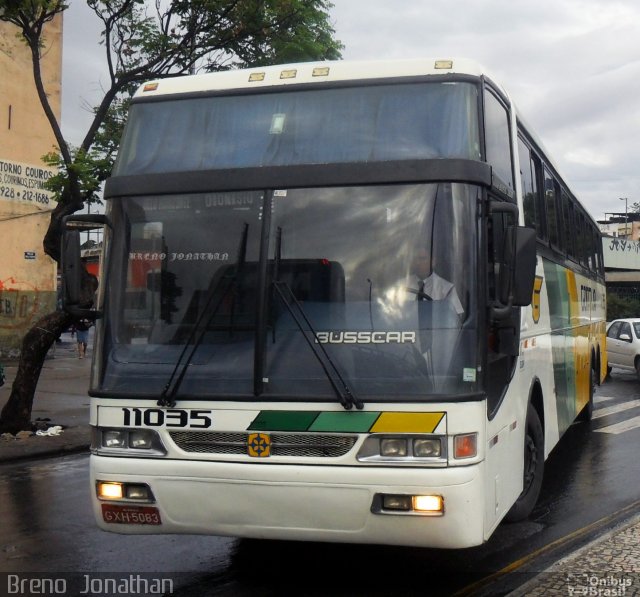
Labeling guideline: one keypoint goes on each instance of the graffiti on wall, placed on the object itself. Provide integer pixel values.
(21, 305)
(624, 245)
(19, 302)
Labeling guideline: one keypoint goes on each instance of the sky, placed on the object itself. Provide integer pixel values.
(572, 68)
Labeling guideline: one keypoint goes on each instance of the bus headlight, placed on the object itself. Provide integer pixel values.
(126, 442)
(114, 438)
(427, 448)
(409, 449)
(141, 439)
(393, 447)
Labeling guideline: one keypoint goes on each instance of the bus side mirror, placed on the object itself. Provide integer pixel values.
(523, 262)
(75, 299)
(517, 272)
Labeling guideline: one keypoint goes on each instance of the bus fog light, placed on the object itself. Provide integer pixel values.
(393, 447)
(141, 439)
(428, 504)
(423, 448)
(114, 438)
(396, 502)
(465, 446)
(107, 490)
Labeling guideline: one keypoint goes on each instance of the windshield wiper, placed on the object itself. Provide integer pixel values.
(344, 395)
(168, 394)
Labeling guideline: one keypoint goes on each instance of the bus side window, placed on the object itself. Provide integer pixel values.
(550, 204)
(497, 142)
(597, 247)
(583, 245)
(531, 218)
(567, 212)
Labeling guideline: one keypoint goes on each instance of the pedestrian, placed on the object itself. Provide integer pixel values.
(82, 336)
(2, 377)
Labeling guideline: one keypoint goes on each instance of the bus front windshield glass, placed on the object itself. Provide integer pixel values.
(373, 123)
(380, 277)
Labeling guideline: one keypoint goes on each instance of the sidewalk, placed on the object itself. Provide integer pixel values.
(61, 399)
(609, 565)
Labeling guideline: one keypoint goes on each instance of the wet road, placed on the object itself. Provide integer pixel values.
(47, 529)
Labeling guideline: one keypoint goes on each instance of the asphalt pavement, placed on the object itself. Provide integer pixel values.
(608, 566)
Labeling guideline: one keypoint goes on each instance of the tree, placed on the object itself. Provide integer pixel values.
(145, 41)
(619, 307)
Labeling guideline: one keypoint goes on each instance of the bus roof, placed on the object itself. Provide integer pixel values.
(310, 72)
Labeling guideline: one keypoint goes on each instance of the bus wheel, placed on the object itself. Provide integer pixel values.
(533, 468)
(586, 414)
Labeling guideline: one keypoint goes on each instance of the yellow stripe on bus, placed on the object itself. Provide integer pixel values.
(398, 422)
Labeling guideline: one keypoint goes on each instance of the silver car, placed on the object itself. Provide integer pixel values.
(623, 345)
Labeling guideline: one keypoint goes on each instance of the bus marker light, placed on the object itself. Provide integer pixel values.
(443, 64)
(428, 504)
(465, 446)
(150, 87)
(109, 491)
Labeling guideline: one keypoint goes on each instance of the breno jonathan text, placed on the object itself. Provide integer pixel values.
(86, 584)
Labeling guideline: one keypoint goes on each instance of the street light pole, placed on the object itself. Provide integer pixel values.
(626, 216)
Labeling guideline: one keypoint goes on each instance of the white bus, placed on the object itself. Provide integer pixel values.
(340, 301)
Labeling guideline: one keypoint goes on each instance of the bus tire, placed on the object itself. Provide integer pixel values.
(586, 414)
(533, 468)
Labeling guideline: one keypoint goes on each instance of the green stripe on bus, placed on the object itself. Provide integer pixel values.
(355, 422)
(283, 420)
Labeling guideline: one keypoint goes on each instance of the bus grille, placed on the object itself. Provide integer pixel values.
(310, 445)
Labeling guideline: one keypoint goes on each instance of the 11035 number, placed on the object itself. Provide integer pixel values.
(173, 417)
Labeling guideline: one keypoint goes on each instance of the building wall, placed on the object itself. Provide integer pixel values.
(27, 275)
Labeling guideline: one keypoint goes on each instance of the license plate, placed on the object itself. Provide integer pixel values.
(118, 514)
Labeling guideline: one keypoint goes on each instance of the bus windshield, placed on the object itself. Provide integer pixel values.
(384, 274)
(288, 128)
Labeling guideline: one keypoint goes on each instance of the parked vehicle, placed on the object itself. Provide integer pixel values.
(623, 345)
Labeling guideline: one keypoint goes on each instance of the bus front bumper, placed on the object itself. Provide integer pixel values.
(303, 503)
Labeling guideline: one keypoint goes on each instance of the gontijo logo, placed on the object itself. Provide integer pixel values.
(259, 445)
